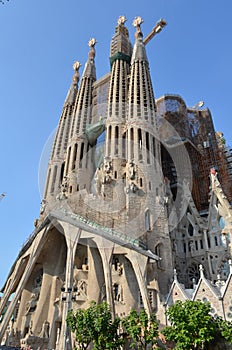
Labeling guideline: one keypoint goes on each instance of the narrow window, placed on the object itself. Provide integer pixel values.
(62, 171)
(124, 145)
(216, 241)
(140, 144)
(109, 139)
(54, 179)
(48, 180)
(153, 148)
(74, 157)
(116, 140)
(147, 220)
(132, 143)
(82, 153)
(68, 159)
(148, 148)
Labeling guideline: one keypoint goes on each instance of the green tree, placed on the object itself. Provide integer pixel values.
(95, 325)
(141, 329)
(225, 329)
(192, 327)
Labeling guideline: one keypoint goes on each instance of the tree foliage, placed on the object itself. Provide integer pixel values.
(225, 329)
(95, 325)
(141, 329)
(192, 326)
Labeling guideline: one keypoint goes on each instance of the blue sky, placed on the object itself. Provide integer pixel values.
(39, 42)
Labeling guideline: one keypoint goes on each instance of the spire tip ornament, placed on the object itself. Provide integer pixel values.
(92, 42)
(137, 24)
(122, 20)
(76, 65)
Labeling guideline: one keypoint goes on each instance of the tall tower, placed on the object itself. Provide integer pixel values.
(56, 165)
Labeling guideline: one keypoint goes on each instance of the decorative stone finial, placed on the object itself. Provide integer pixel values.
(201, 270)
(76, 76)
(137, 24)
(137, 21)
(121, 20)
(76, 65)
(92, 42)
(175, 275)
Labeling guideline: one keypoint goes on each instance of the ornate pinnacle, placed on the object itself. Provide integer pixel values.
(137, 21)
(76, 65)
(76, 76)
(92, 42)
(121, 20)
(137, 24)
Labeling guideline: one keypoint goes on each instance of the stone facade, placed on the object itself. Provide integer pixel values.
(121, 209)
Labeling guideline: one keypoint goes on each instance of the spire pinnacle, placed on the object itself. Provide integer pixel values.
(137, 24)
(92, 42)
(76, 75)
(70, 98)
(89, 70)
(139, 52)
(121, 20)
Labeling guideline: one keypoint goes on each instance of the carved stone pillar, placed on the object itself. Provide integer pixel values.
(72, 235)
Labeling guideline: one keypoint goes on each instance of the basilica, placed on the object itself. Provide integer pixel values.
(136, 207)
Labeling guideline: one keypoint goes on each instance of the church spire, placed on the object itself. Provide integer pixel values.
(83, 105)
(120, 47)
(72, 92)
(141, 97)
(90, 70)
(56, 164)
(78, 157)
(139, 52)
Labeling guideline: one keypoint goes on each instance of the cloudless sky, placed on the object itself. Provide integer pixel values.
(39, 42)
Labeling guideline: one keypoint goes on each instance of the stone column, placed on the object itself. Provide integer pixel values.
(72, 235)
(106, 251)
(139, 263)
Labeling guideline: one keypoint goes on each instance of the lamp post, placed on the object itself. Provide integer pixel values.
(68, 296)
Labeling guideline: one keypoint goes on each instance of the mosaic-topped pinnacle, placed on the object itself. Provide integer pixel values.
(137, 24)
(76, 65)
(92, 42)
(121, 20)
(137, 21)
(76, 76)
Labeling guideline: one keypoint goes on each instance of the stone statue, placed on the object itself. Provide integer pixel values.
(64, 188)
(131, 170)
(32, 303)
(104, 175)
(43, 206)
(103, 292)
(45, 330)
